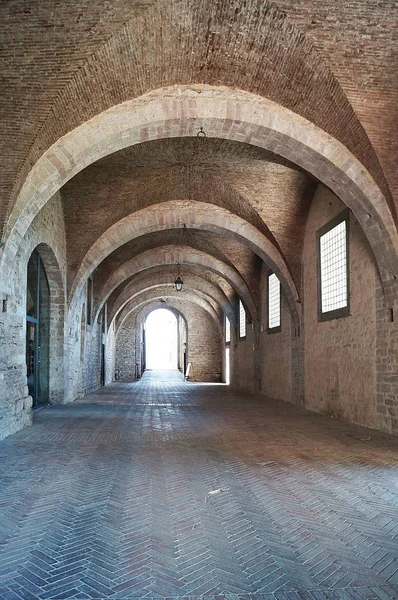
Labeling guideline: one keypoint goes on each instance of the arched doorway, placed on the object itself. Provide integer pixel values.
(37, 330)
(161, 340)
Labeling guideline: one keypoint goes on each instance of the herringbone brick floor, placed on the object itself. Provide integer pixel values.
(110, 497)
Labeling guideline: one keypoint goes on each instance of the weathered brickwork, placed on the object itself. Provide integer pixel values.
(243, 360)
(271, 363)
(278, 58)
(128, 345)
(359, 53)
(275, 350)
(82, 349)
(340, 354)
(238, 177)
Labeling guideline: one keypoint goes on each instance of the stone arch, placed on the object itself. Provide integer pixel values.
(160, 287)
(147, 302)
(176, 214)
(172, 309)
(132, 289)
(140, 301)
(173, 255)
(177, 112)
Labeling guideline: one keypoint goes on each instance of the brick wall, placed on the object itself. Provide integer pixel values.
(128, 342)
(340, 355)
(275, 350)
(270, 363)
(244, 357)
(89, 73)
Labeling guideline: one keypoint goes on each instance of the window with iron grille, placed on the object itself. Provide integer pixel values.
(274, 303)
(227, 330)
(333, 269)
(242, 320)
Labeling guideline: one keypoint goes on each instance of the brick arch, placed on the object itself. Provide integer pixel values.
(171, 255)
(57, 321)
(152, 295)
(241, 116)
(166, 273)
(194, 239)
(165, 291)
(173, 215)
(206, 288)
(147, 310)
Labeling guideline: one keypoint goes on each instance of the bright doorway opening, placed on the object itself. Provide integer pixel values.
(161, 346)
(227, 367)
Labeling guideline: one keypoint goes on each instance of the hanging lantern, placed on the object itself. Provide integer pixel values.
(178, 282)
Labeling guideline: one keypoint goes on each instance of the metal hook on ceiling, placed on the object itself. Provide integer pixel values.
(201, 133)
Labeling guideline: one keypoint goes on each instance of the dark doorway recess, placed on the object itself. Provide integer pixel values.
(37, 331)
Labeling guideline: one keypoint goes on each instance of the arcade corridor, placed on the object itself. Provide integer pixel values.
(114, 496)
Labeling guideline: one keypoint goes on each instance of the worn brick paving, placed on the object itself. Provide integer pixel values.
(109, 498)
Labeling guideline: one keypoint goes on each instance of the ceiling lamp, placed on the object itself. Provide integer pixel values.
(178, 282)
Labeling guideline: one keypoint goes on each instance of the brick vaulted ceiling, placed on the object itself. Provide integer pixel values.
(64, 62)
(241, 178)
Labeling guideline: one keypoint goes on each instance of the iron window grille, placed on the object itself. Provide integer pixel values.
(227, 330)
(333, 268)
(242, 320)
(274, 303)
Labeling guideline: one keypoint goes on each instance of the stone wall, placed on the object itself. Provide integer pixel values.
(74, 350)
(82, 349)
(110, 354)
(346, 367)
(47, 234)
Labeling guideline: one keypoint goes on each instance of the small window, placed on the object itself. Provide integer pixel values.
(333, 272)
(242, 320)
(89, 300)
(227, 330)
(274, 303)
